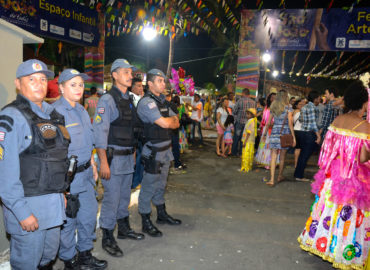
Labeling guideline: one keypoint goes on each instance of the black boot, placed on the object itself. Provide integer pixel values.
(109, 244)
(148, 226)
(164, 218)
(71, 264)
(48, 266)
(125, 231)
(88, 262)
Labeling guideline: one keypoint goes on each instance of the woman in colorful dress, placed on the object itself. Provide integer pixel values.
(338, 229)
(263, 156)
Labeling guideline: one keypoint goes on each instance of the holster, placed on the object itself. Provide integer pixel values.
(109, 151)
(73, 205)
(151, 165)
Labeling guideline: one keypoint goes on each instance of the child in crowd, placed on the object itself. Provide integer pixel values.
(248, 139)
(228, 135)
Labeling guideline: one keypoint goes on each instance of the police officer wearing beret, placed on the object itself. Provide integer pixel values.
(33, 165)
(83, 218)
(114, 125)
(159, 120)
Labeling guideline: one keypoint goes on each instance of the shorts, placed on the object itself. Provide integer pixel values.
(220, 131)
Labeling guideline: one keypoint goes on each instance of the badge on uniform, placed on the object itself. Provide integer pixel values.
(2, 136)
(97, 119)
(101, 110)
(152, 105)
(1, 152)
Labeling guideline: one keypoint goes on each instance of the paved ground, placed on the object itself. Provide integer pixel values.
(231, 220)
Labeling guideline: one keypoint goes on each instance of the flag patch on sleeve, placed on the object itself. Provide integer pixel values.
(101, 110)
(152, 105)
(2, 136)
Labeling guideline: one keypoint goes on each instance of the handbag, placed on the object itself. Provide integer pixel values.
(286, 140)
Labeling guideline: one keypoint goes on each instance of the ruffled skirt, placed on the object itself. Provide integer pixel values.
(338, 233)
(247, 157)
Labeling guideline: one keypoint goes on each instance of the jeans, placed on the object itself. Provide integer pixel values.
(308, 145)
(176, 148)
(237, 143)
(196, 124)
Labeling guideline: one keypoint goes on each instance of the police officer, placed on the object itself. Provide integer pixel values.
(33, 165)
(114, 124)
(158, 121)
(83, 218)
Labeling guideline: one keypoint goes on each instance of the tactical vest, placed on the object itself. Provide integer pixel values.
(153, 132)
(122, 129)
(44, 164)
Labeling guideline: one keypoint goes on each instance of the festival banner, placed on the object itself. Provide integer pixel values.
(248, 58)
(313, 29)
(61, 20)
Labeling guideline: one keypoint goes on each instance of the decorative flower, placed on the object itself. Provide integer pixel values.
(367, 234)
(321, 244)
(346, 212)
(349, 252)
(308, 223)
(326, 222)
(313, 228)
(358, 249)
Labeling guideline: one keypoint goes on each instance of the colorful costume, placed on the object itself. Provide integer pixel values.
(263, 156)
(338, 229)
(228, 136)
(248, 151)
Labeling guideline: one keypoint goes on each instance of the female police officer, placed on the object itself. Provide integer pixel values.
(77, 122)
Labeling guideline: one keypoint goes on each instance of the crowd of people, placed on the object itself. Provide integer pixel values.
(48, 160)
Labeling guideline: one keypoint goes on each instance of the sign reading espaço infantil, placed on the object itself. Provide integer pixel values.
(61, 20)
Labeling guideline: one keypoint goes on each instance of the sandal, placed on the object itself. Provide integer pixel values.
(270, 184)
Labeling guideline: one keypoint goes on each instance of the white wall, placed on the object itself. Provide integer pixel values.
(11, 55)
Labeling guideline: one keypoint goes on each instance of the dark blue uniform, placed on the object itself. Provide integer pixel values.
(78, 124)
(28, 250)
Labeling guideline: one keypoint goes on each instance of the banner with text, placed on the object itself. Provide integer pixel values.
(313, 29)
(61, 20)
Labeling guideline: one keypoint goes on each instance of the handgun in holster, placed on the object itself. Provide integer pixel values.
(72, 167)
(109, 152)
(151, 165)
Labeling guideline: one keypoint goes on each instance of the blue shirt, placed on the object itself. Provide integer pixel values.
(48, 209)
(106, 112)
(78, 124)
(149, 113)
(309, 114)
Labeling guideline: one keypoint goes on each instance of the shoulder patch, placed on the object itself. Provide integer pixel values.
(152, 105)
(1, 152)
(97, 119)
(2, 136)
(101, 110)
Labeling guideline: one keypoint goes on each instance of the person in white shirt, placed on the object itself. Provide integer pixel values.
(137, 90)
(196, 117)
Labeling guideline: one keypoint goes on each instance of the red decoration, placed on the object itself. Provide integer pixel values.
(181, 72)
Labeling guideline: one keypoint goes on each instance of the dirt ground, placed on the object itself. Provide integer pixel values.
(231, 220)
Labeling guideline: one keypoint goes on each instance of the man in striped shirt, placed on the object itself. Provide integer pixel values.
(240, 115)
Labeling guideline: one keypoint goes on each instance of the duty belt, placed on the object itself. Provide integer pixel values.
(83, 167)
(159, 149)
(125, 152)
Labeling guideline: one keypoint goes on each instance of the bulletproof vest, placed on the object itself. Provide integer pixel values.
(44, 164)
(153, 132)
(122, 129)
